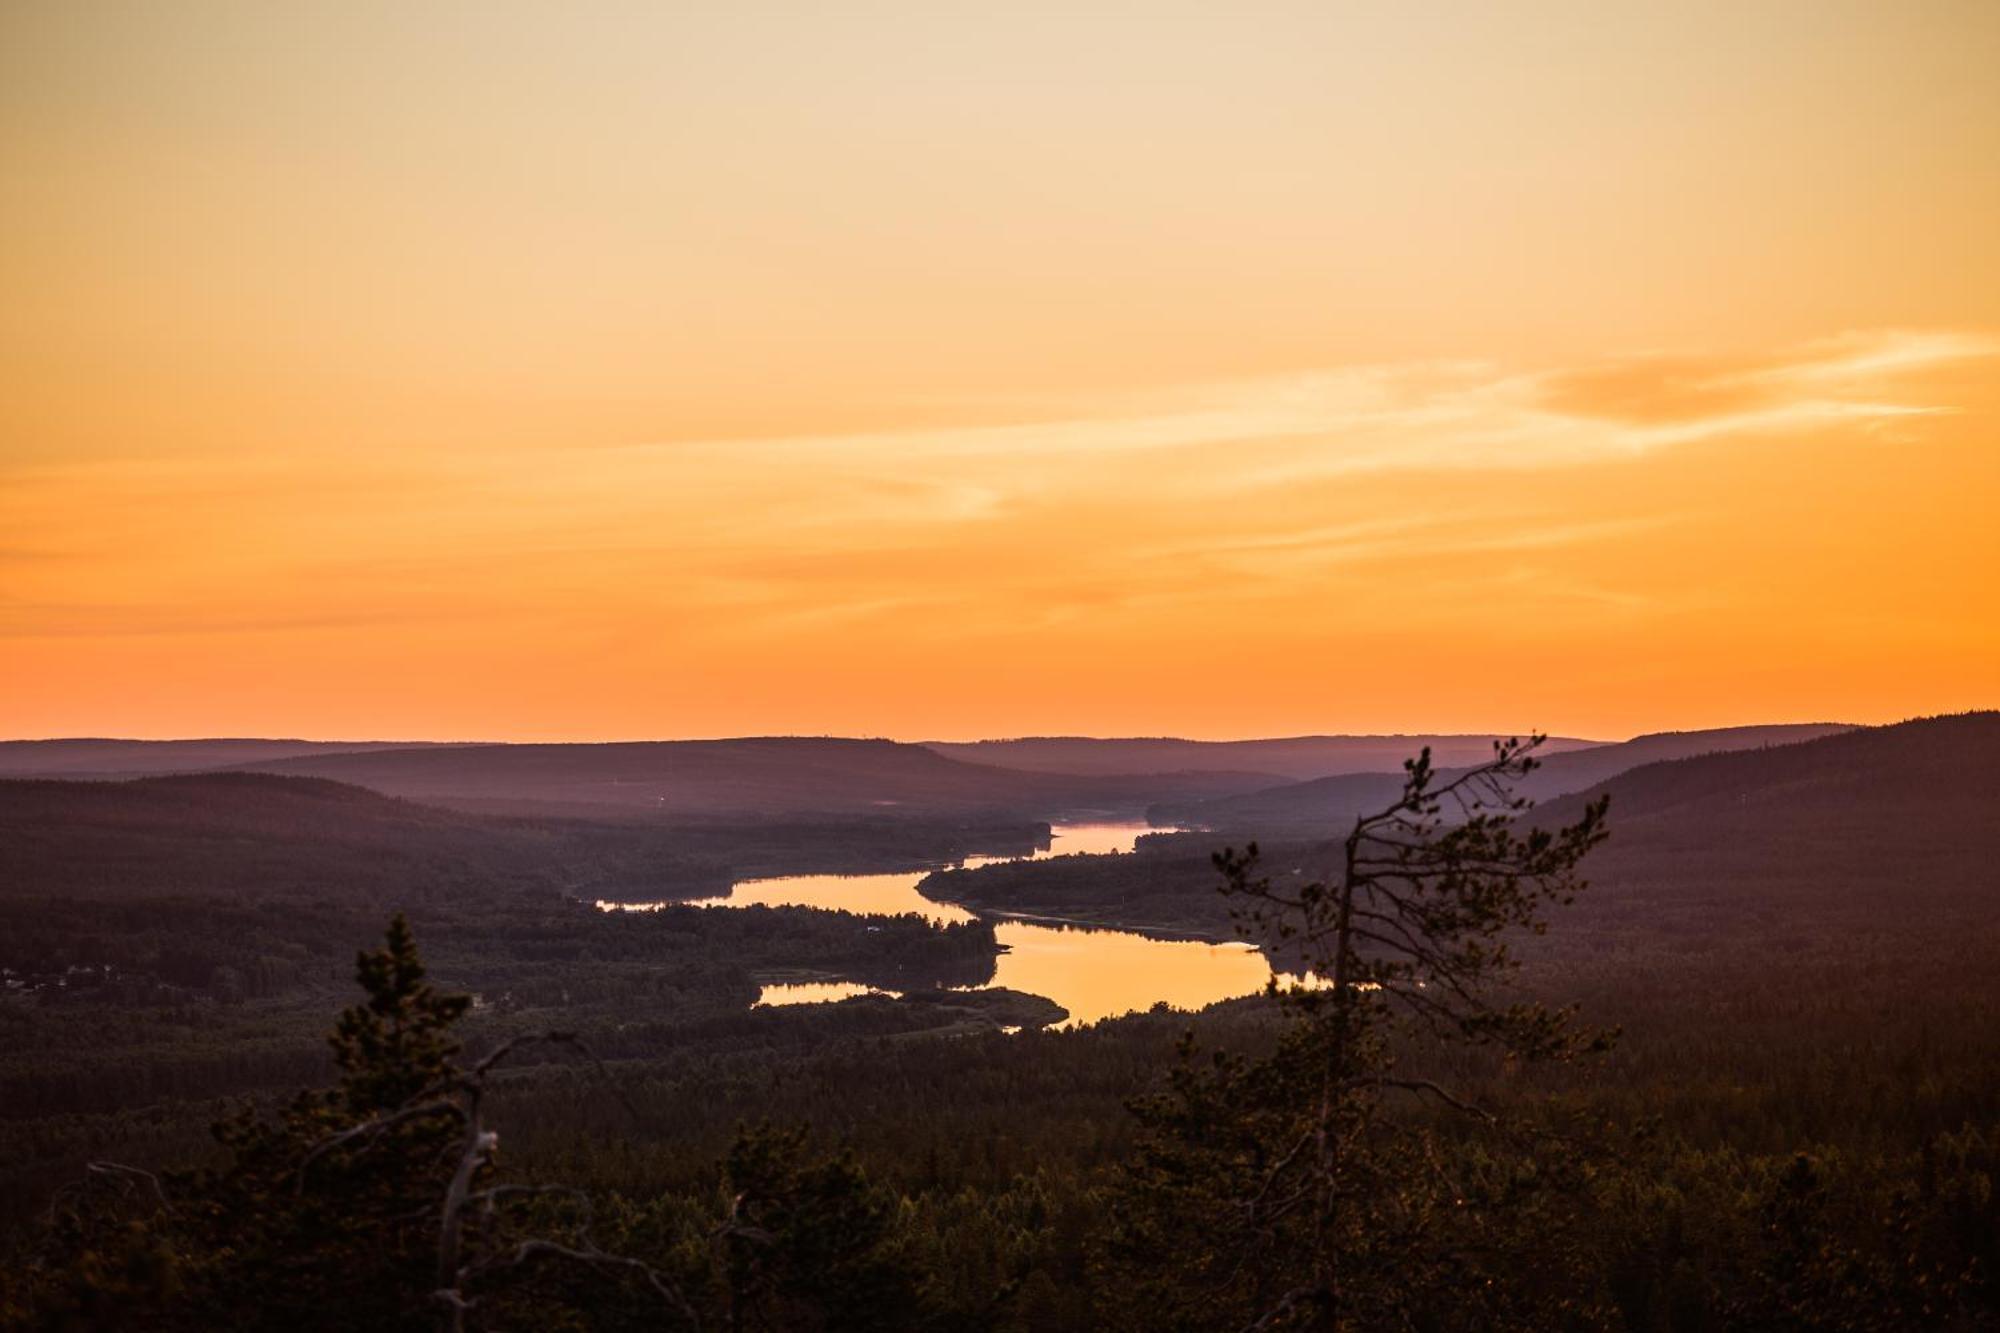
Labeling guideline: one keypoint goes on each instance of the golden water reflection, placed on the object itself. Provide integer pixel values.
(875, 895)
(1095, 839)
(1098, 974)
(814, 992)
(1093, 973)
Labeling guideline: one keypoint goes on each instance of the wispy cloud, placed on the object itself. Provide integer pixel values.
(1283, 430)
(1118, 503)
(1672, 398)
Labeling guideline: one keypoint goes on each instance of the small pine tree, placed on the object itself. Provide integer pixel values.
(399, 1042)
(323, 1219)
(328, 1215)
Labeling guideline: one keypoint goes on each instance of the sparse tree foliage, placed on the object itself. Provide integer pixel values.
(810, 1244)
(1288, 1194)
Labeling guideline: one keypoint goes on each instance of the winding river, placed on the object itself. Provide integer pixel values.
(1093, 973)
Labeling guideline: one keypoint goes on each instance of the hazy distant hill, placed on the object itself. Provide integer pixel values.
(1321, 806)
(96, 757)
(751, 777)
(1294, 757)
(759, 777)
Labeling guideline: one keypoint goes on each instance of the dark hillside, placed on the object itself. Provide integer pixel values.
(254, 836)
(1933, 764)
(1888, 828)
(1881, 825)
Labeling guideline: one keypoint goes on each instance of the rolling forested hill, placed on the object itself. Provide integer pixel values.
(1873, 823)
(256, 836)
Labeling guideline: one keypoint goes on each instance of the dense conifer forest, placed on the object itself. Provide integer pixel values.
(1797, 1125)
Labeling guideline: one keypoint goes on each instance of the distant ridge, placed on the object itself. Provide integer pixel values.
(1220, 783)
(104, 756)
(1315, 808)
(754, 777)
(1296, 757)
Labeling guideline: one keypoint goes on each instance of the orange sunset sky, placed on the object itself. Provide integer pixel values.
(536, 371)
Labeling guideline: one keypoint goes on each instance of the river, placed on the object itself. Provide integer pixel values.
(1093, 973)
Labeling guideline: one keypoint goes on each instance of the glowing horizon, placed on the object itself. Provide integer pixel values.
(504, 374)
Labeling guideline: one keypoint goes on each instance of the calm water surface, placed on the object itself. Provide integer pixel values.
(816, 992)
(1094, 974)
